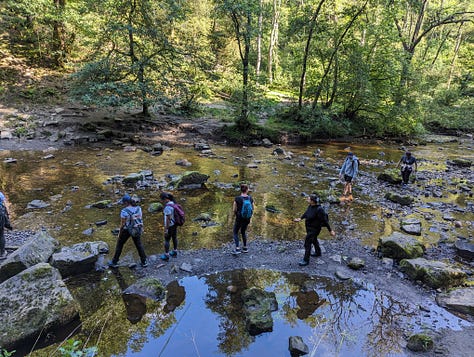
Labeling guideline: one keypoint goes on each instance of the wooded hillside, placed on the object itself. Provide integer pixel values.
(316, 67)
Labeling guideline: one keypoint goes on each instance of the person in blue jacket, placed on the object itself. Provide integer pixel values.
(348, 172)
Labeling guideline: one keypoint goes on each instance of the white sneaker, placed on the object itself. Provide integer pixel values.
(236, 251)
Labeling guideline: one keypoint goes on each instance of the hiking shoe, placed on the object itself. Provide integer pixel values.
(145, 264)
(315, 254)
(165, 257)
(236, 251)
(303, 263)
(245, 250)
(113, 265)
(174, 253)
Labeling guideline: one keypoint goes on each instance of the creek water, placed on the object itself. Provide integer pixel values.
(350, 320)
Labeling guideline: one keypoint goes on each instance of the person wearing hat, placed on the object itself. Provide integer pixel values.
(4, 223)
(315, 218)
(348, 172)
(128, 213)
(406, 164)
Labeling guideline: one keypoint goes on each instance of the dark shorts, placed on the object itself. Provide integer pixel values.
(347, 178)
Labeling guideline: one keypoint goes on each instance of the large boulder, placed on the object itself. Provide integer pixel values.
(258, 305)
(391, 176)
(150, 288)
(433, 273)
(34, 303)
(36, 250)
(400, 246)
(190, 180)
(459, 300)
(78, 258)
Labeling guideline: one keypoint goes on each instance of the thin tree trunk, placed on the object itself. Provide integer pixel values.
(306, 54)
(259, 40)
(273, 38)
(59, 34)
(456, 51)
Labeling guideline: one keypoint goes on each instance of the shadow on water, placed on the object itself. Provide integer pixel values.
(203, 316)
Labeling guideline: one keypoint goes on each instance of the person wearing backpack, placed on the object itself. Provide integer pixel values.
(406, 164)
(243, 208)
(4, 223)
(348, 173)
(131, 225)
(315, 218)
(170, 226)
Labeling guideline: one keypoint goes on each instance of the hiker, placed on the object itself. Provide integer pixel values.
(243, 208)
(315, 218)
(170, 228)
(4, 223)
(406, 164)
(130, 221)
(348, 172)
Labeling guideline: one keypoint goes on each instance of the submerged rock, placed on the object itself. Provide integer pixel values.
(258, 305)
(420, 343)
(297, 347)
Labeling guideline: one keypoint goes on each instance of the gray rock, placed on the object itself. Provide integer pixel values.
(411, 226)
(190, 180)
(78, 258)
(341, 274)
(435, 274)
(460, 300)
(37, 204)
(149, 287)
(46, 304)
(356, 263)
(297, 347)
(186, 267)
(400, 246)
(465, 249)
(36, 250)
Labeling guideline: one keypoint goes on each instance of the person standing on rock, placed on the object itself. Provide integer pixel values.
(348, 173)
(170, 228)
(130, 214)
(406, 164)
(315, 218)
(4, 223)
(243, 208)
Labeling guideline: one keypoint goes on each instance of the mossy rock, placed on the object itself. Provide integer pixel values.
(402, 200)
(391, 176)
(155, 207)
(462, 162)
(400, 246)
(420, 343)
(101, 204)
(435, 274)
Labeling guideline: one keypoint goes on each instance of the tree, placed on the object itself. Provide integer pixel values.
(241, 14)
(135, 56)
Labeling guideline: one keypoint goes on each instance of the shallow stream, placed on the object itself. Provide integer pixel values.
(349, 319)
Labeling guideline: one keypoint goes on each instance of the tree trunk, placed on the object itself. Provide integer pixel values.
(259, 40)
(306, 54)
(273, 38)
(59, 34)
(455, 55)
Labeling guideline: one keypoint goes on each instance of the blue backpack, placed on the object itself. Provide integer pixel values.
(247, 208)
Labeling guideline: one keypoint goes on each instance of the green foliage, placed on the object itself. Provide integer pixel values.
(72, 349)
(5, 353)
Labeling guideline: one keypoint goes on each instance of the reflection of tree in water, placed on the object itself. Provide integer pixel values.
(338, 312)
(233, 336)
(387, 331)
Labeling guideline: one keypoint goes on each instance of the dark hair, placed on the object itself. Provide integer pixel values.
(244, 187)
(407, 153)
(315, 198)
(166, 196)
